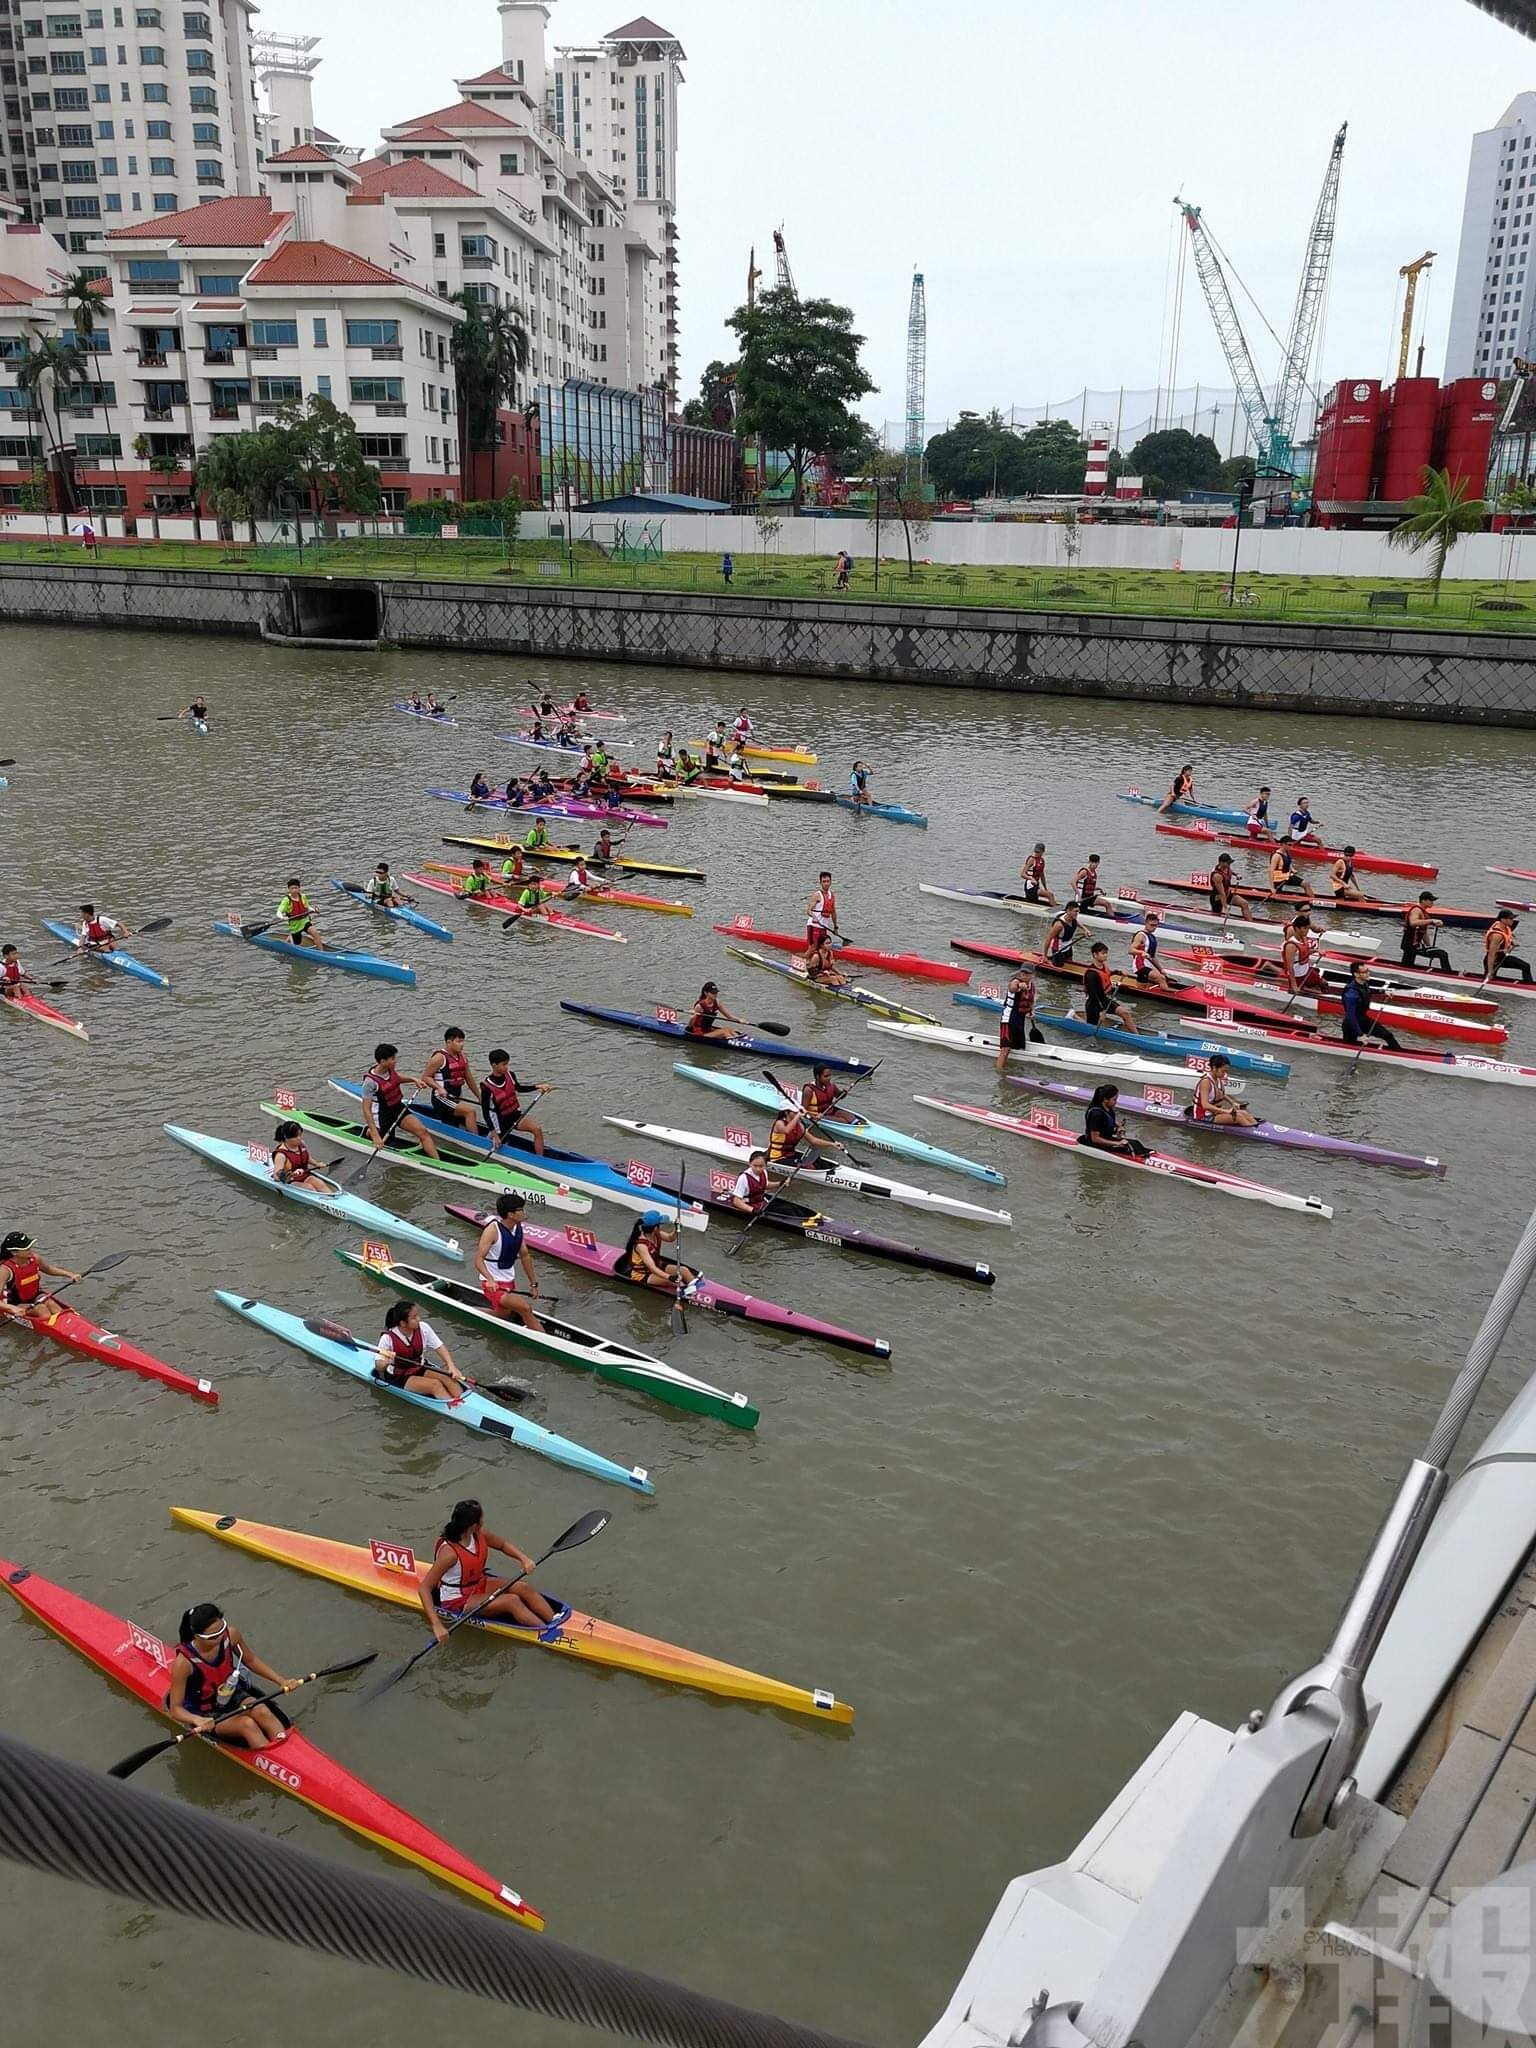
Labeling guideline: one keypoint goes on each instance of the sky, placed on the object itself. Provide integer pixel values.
(1024, 155)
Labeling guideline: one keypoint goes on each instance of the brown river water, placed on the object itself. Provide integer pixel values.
(1137, 1475)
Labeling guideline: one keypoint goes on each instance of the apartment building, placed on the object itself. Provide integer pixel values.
(1493, 305)
(113, 112)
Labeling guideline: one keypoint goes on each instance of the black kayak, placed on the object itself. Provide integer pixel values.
(713, 1191)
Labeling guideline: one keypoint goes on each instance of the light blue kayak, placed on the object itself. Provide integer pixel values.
(403, 913)
(1213, 812)
(112, 956)
(314, 956)
(489, 1418)
(340, 1206)
(899, 814)
(1166, 1045)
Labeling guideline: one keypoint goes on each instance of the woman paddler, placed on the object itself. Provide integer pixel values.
(1102, 1129)
(292, 1166)
(211, 1672)
(401, 1360)
(821, 962)
(791, 1139)
(457, 1579)
(709, 1016)
(643, 1262)
(21, 1274)
(752, 1189)
(1212, 1103)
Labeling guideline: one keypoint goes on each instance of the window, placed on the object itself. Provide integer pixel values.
(94, 394)
(200, 60)
(373, 333)
(206, 133)
(127, 130)
(98, 445)
(78, 172)
(76, 136)
(274, 334)
(279, 390)
(509, 166)
(13, 347)
(214, 287)
(61, 62)
(379, 447)
(133, 167)
(82, 209)
(378, 390)
(17, 448)
(13, 400)
(156, 93)
(439, 245)
(209, 170)
(321, 340)
(166, 202)
(146, 17)
(112, 201)
(153, 270)
(157, 131)
(68, 99)
(203, 99)
(196, 25)
(162, 167)
(477, 248)
(49, 173)
(323, 386)
(151, 53)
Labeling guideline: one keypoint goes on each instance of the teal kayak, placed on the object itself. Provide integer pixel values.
(329, 956)
(898, 814)
(340, 1206)
(489, 1418)
(403, 913)
(111, 956)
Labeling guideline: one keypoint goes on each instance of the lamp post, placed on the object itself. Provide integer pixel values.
(1242, 498)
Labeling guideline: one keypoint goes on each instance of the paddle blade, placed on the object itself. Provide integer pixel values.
(105, 1265)
(156, 924)
(593, 1523)
(322, 1326)
(511, 1388)
(126, 1767)
(777, 1030)
(677, 1319)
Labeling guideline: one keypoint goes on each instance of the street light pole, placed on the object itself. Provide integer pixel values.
(1241, 501)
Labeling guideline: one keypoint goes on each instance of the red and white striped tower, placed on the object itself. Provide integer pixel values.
(1096, 480)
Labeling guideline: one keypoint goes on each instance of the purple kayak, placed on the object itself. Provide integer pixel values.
(564, 807)
(581, 1248)
(1258, 1134)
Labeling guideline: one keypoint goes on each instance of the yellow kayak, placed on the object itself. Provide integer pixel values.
(770, 753)
(582, 1636)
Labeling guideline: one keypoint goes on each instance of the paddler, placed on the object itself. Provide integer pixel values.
(480, 790)
(743, 728)
(709, 1014)
(499, 1256)
(1256, 820)
(713, 756)
(385, 1109)
(446, 1074)
(1283, 872)
(22, 1268)
(1226, 898)
(1359, 1026)
(1085, 884)
(1212, 1103)
(1016, 1027)
(501, 1100)
(1303, 824)
(821, 1097)
(457, 1581)
(736, 765)
(601, 760)
(1341, 877)
(568, 734)
(604, 851)
(535, 733)
(1032, 874)
(291, 1163)
(295, 912)
(666, 760)
(1419, 928)
(1102, 1128)
(197, 710)
(13, 976)
(1101, 1001)
(581, 701)
(791, 1139)
(434, 709)
(530, 902)
(536, 838)
(211, 1673)
(1062, 936)
(579, 880)
(477, 882)
(750, 1193)
(514, 795)
(1182, 788)
(98, 933)
(688, 769)
(546, 706)
(821, 962)
(821, 916)
(1144, 954)
(540, 788)
(380, 889)
(1301, 957)
(858, 785)
(512, 871)
(414, 700)
(1498, 948)
(643, 1263)
(408, 1341)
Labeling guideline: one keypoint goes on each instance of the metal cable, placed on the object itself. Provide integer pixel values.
(60, 1817)
(1490, 1335)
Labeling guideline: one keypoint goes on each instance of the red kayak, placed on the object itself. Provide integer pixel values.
(1305, 849)
(859, 956)
(1354, 906)
(507, 908)
(34, 1006)
(75, 1332)
(1408, 989)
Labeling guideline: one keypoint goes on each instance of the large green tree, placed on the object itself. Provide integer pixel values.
(1053, 457)
(52, 367)
(1437, 519)
(1174, 460)
(964, 460)
(81, 295)
(491, 353)
(715, 405)
(248, 476)
(798, 379)
(327, 457)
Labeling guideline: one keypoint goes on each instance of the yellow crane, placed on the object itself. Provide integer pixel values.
(1411, 271)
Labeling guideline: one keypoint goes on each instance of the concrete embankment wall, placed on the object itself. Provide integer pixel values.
(1382, 671)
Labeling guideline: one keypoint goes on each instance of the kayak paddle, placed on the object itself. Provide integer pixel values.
(784, 1186)
(101, 1266)
(777, 1030)
(511, 1387)
(591, 1524)
(146, 930)
(129, 1764)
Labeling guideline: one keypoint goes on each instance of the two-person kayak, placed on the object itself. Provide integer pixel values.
(403, 913)
(486, 1174)
(743, 931)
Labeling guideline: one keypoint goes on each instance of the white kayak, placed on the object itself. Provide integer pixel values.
(1108, 1066)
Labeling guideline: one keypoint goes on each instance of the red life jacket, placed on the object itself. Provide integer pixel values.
(12, 973)
(501, 1095)
(757, 1186)
(412, 1347)
(406, 1359)
(391, 1091)
(210, 1676)
(295, 1156)
(454, 1074)
(26, 1281)
(97, 933)
(824, 1095)
(472, 1563)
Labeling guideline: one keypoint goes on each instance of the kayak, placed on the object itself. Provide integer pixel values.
(1122, 926)
(111, 956)
(847, 1124)
(487, 1417)
(858, 956)
(1046, 1131)
(1108, 1066)
(404, 1151)
(845, 1179)
(584, 739)
(584, 1637)
(141, 1662)
(1400, 1012)
(1438, 977)
(556, 807)
(1417, 994)
(1164, 1042)
(595, 894)
(730, 793)
(1450, 1066)
(25, 1004)
(568, 1169)
(76, 1332)
(565, 1342)
(432, 717)
(1181, 996)
(564, 856)
(1357, 906)
(503, 906)
(1518, 874)
(1307, 849)
(740, 1041)
(368, 964)
(1213, 812)
(861, 998)
(799, 754)
(575, 1247)
(1264, 1133)
(401, 912)
(898, 814)
(253, 1163)
(713, 1190)
(1245, 931)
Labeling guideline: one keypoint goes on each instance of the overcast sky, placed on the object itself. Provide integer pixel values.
(1023, 154)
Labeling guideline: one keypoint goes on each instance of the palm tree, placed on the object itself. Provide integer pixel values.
(491, 351)
(50, 361)
(81, 295)
(1437, 519)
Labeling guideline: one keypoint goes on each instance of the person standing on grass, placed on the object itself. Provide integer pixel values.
(727, 568)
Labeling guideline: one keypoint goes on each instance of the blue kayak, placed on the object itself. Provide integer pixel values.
(432, 717)
(112, 956)
(569, 1169)
(1213, 812)
(340, 1206)
(1173, 1044)
(472, 1409)
(899, 814)
(740, 1041)
(314, 956)
(402, 912)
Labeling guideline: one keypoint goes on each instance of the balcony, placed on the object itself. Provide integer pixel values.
(152, 359)
(208, 178)
(477, 262)
(224, 412)
(262, 355)
(390, 412)
(387, 355)
(218, 355)
(159, 412)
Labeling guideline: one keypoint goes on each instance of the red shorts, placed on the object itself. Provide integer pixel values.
(496, 1293)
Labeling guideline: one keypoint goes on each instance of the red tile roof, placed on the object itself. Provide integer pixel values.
(305, 153)
(322, 263)
(641, 30)
(500, 76)
(463, 114)
(239, 223)
(14, 291)
(412, 179)
(427, 133)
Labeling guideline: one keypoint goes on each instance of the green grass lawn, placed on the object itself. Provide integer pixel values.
(1477, 606)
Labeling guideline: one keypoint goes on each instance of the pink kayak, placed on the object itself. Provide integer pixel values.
(45, 1013)
(505, 907)
(581, 1248)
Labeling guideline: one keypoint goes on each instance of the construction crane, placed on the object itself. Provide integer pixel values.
(1412, 271)
(785, 277)
(917, 376)
(1272, 423)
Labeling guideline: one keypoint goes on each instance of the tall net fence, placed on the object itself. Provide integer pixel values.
(1132, 413)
